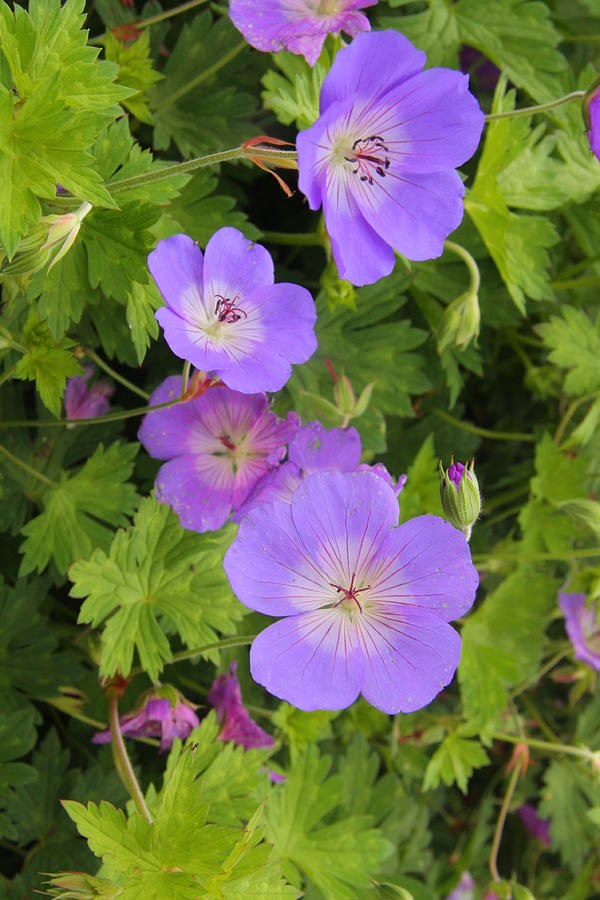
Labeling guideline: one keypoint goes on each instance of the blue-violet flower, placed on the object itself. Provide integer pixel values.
(366, 603)
(582, 627)
(382, 155)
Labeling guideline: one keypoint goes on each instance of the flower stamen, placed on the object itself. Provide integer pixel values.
(367, 158)
(227, 311)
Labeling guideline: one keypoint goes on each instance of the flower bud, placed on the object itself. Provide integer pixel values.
(459, 491)
(337, 291)
(460, 323)
(63, 230)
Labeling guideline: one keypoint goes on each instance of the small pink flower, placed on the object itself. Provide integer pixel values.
(158, 718)
(84, 401)
(226, 697)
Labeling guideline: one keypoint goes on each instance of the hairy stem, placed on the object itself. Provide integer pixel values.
(154, 20)
(475, 277)
(121, 757)
(502, 819)
(483, 432)
(545, 746)
(23, 465)
(584, 553)
(185, 378)
(541, 107)
(115, 375)
(201, 162)
(96, 420)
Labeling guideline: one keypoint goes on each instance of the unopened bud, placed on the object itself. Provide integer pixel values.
(459, 491)
(63, 230)
(338, 291)
(460, 324)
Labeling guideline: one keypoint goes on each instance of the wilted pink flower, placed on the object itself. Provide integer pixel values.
(226, 697)
(158, 718)
(85, 401)
(536, 826)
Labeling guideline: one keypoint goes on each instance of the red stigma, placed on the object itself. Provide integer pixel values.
(227, 311)
(350, 593)
(227, 442)
(369, 156)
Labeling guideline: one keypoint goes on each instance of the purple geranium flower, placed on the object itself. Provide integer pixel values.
(225, 315)
(157, 718)
(84, 401)
(381, 157)
(367, 603)
(465, 889)
(536, 826)
(216, 446)
(226, 697)
(593, 115)
(313, 449)
(299, 26)
(582, 627)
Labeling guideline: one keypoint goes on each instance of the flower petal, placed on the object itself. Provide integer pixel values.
(428, 124)
(315, 448)
(416, 212)
(268, 568)
(277, 485)
(425, 563)
(581, 625)
(166, 432)
(199, 489)
(176, 266)
(234, 266)
(381, 58)
(408, 658)
(341, 518)
(311, 660)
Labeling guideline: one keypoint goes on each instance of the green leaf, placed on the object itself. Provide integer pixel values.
(338, 858)
(47, 362)
(294, 95)
(135, 71)
(516, 242)
(518, 35)
(188, 847)
(17, 737)
(142, 302)
(156, 577)
(574, 344)
(422, 491)
(194, 106)
(568, 794)
(502, 642)
(364, 345)
(80, 510)
(454, 761)
(559, 476)
(30, 665)
(64, 291)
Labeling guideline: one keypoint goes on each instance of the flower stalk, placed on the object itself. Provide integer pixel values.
(121, 757)
(539, 108)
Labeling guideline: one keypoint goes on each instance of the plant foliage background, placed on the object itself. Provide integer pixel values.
(99, 579)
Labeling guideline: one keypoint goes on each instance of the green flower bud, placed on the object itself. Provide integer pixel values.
(459, 491)
(460, 323)
(63, 230)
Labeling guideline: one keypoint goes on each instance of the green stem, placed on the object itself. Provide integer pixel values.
(224, 644)
(201, 162)
(575, 283)
(121, 758)
(185, 378)
(303, 239)
(23, 465)
(502, 819)
(531, 110)
(96, 420)
(483, 432)
(154, 20)
(538, 557)
(543, 671)
(470, 263)
(547, 746)
(223, 61)
(115, 375)
(569, 413)
(504, 497)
